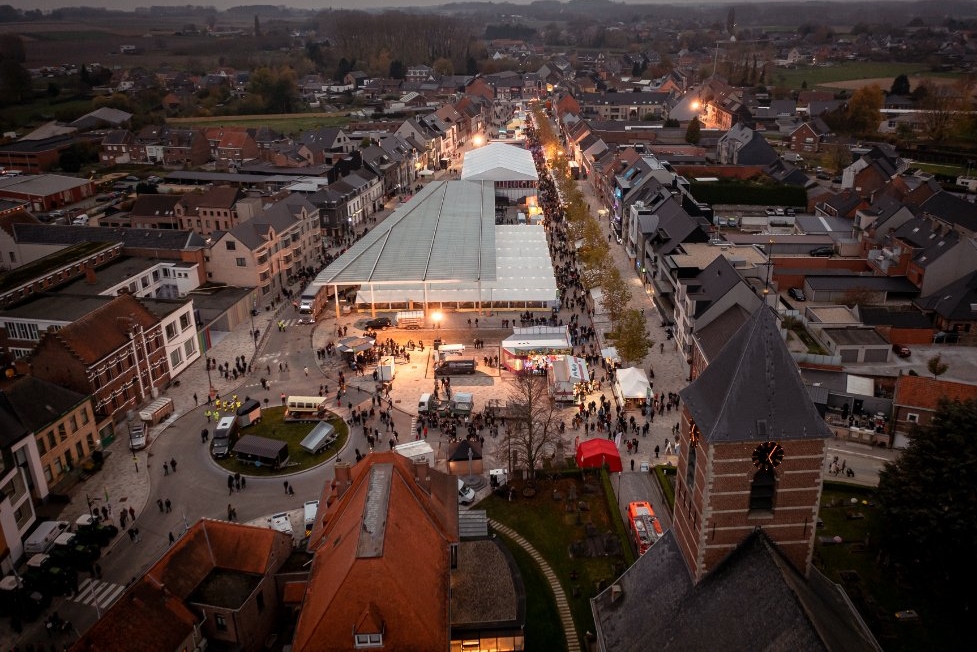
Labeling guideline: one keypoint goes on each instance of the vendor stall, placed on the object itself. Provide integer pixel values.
(595, 453)
(631, 388)
(262, 451)
(568, 377)
(535, 347)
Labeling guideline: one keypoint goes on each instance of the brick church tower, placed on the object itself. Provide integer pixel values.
(751, 452)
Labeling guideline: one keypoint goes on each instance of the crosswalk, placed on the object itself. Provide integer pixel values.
(92, 591)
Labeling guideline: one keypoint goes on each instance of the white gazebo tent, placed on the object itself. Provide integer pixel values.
(565, 374)
(631, 387)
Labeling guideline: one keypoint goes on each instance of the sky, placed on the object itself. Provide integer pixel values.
(223, 4)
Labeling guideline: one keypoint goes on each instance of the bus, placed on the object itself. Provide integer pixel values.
(314, 299)
(644, 525)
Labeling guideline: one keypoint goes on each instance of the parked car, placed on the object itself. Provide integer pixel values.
(825, 252)
(379, 323)
(791, 212)
(901, 350)
(770, 212)
(797, 294)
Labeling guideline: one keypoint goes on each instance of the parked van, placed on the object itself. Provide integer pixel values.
(450, 349)
(455, 367)
(466, 495)
(224, 436)
(311, 509)
(81, 220)
(42, 539)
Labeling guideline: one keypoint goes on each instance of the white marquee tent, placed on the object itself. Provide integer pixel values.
(631, 386)
(511, 169)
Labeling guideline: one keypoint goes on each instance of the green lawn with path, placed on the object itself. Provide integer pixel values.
(273, 426)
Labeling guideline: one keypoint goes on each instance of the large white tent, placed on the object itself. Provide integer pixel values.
(510, 169)
(631, 386)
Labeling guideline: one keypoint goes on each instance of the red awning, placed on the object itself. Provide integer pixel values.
(594, 453)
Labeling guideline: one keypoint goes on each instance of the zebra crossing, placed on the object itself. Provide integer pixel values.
(92, 591)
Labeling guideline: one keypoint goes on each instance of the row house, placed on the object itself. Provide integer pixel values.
(425, 140)
(156, 145)
(873, 170)
(154, 212)
(326, 144)
(43, 441)
(216, 209)
(741, 145)
(391, 164)
(116, 147)
(723, 105)
(809, 137)
(270, 250)
(348, 202)
(625, 106)
(185, 147)
(116, 353)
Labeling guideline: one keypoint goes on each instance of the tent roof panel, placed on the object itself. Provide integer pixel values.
(499, 162)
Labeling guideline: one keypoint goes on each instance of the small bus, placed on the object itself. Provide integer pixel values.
(305, 408)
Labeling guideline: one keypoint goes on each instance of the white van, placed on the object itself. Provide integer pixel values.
(311, 509)
(41, 539)
(81, 220)
(466, 495)
(451, 349)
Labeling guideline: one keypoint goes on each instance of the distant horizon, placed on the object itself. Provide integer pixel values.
(222, 5)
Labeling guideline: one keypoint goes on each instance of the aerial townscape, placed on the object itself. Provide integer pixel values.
(487, 327)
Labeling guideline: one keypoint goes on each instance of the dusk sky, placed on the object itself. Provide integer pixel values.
(223, 4)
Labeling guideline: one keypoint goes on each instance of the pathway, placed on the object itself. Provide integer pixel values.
(566, 618)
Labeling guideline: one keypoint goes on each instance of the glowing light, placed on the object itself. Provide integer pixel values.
(695, 105)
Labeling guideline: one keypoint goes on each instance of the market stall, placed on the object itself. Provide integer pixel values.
(595, 453)
(535, 348)
(569, 377)
(631, 388)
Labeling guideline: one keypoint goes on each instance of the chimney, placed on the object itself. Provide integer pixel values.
(343, 478)
(422, 474)
(616, 592)
(90, 275)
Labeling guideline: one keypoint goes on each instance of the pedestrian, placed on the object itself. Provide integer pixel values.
(169, 507)
(159, 503)
(661, 348)
(135, 531)
(657, 449)
(97, 571)
(173, 464)
(132, 535)
(632, 464)
(195, 401)
(291, 490)
(166, 468)
(230, 511)
(132, 513)
(306, 369)
(286, 487)
(244, 482)
(172, 538)
(204, 434)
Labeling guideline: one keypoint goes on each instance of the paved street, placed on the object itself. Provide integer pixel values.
(199, 489)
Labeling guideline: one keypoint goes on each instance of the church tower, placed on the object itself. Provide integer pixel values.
(751, 452)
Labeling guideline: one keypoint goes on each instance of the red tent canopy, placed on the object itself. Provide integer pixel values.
(594, 453)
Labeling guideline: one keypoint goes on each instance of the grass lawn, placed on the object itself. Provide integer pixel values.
(874, 589)
(545, 632)
(550, 528)
(273, 426)
(290, 124)
(816, 75)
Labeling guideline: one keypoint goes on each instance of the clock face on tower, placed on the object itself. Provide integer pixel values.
(768, 455)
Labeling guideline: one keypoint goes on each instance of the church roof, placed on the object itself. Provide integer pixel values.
(754, 600)
(752, 390)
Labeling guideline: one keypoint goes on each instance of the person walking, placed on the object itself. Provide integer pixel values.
(230, 484)
(306, 369)
(166, 468)
(172, 538)
(286, 487)
(169, 507)
(132, 513)
(195, 401)
(159, 503)
(135, 532)
(173, 464)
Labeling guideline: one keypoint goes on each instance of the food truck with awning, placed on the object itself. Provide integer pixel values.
(535, 347)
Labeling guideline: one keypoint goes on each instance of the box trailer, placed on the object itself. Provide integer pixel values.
(42, 539)
(157, 411)
(410, 319)
(418, 451)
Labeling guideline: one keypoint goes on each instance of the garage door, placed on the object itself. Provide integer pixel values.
(876, 355)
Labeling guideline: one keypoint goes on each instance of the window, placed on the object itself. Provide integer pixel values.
(176, 357)
(51, 441)
(62, 432)
(171, 331)
(368, 640)
(231, 245)
(185, 321)
(762, 491)
(58, 466)
(73, 424)
(47, 473)
(221, 622)
(912, 417)
(241, 262)
(189, 347)
(84, 414)
(41, 448)
(79, 450)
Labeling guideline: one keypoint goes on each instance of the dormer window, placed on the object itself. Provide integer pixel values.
(362, 641)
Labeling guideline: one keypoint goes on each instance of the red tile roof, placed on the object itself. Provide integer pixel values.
(404, 582)
(925, 393)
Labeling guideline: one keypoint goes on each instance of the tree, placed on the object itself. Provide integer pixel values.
(615, 294)
(864, 110)
(928, 509)
(15, 82)
(631, 337)
(12, 48)
(396, 69)
(77, 155)
(694, 131)
(936, 366)
(731, 21)
(532, 425)
(900, 85)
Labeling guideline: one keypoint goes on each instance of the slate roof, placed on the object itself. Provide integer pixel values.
(925, 393)
(255, 232)
(163, 239)
(712, 283)
(954, 301)
(724, 400)
(754, 600)
(952, 210)
(103, 330)
(29, 404)
(714, 335)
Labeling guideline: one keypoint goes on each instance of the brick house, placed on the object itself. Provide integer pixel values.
(213, 210)
(917, 398)
(116, 354)
(185, 147)
(809, 136)
(215, 587)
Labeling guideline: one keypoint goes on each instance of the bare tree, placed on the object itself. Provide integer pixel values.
(532, 426)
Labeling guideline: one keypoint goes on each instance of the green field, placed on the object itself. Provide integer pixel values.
(289, 124)
(817, 75)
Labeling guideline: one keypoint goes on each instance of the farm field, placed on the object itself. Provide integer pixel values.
(853, 75)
